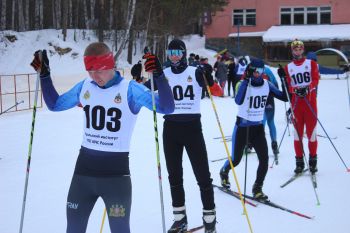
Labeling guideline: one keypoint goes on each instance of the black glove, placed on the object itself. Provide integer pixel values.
(152, 64)
(248, 73)
(40, 63)
(289, 115)
(301, 91)
(281, 72)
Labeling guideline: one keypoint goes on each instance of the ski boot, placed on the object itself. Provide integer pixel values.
(224, 178)
(258, 193)
(274, 147)
(180, 220)
(313, 164)
(299, 165)
(209, 221)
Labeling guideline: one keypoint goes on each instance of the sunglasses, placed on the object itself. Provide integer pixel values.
(174, 52)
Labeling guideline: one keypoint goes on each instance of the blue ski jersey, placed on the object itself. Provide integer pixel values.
(138, 95)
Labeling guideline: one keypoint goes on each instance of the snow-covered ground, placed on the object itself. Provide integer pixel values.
(57, 140)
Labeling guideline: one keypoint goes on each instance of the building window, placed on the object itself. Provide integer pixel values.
(305, 15)
(286, 14)
(325, 15)
(245, 17)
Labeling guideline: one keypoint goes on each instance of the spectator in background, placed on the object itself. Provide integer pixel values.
(136, 72)
(231, 76)
(191, 59)
(208, 70)
(222, 73)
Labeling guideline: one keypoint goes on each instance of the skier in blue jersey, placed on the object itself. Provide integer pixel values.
(251, 100)
(111, 104)
(269, 115)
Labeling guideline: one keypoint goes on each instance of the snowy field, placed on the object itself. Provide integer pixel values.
(58, 136)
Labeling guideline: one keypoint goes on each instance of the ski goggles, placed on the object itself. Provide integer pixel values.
(174, 52)
(101, 62)
(257, 69)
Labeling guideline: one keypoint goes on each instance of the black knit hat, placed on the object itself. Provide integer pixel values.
(179, 45)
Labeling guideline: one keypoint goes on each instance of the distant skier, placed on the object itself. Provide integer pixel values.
(239, 70)
(111, 104)
(269, 116)
(251, 100)
(302, 76)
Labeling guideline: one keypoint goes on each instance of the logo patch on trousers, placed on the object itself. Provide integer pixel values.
(71, 205)
(117, 211)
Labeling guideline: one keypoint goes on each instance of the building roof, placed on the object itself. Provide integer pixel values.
(339, 32)
(247, 34)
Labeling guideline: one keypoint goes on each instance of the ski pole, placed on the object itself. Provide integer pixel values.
(228, 154)
(17, 103)
(246, 147)
(330, 140)
(103, 220)
(347, 82)
(284, 85)
(279, 146)
(30, 150)
(285, 108)
(146, 50)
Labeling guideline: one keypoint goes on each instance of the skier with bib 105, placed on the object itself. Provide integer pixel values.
(251, 100)
(111, 105)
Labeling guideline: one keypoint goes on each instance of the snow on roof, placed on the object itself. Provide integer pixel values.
(247, 34)
(307, 33)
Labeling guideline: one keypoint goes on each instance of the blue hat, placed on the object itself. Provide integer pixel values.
(257, 63)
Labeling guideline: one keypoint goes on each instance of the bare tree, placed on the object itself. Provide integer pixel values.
(130, 17)
(64, 19)
(110, 23)
(26, 18)
(21, 26)
(3, 14)
(13, 15)
(85, 15)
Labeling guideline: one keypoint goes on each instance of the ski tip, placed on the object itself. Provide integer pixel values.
(348, 169)
(318, 204)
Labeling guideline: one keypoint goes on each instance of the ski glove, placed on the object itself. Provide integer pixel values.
(152, 64)
(301, 91)
(40, 63)
(289, 116)
(248, 72)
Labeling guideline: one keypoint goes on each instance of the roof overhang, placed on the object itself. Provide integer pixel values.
(338, 32)
(247, 34)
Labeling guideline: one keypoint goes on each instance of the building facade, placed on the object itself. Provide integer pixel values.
(244, 27)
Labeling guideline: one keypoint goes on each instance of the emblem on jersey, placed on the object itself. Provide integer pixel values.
(87, 95)
(306, 67)
(117, 211)
(291, 71)
(189, 79)
(118, 99)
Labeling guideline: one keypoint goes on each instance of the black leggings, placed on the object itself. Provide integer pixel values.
(258, 140)
(83, 194)
(188, 135)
